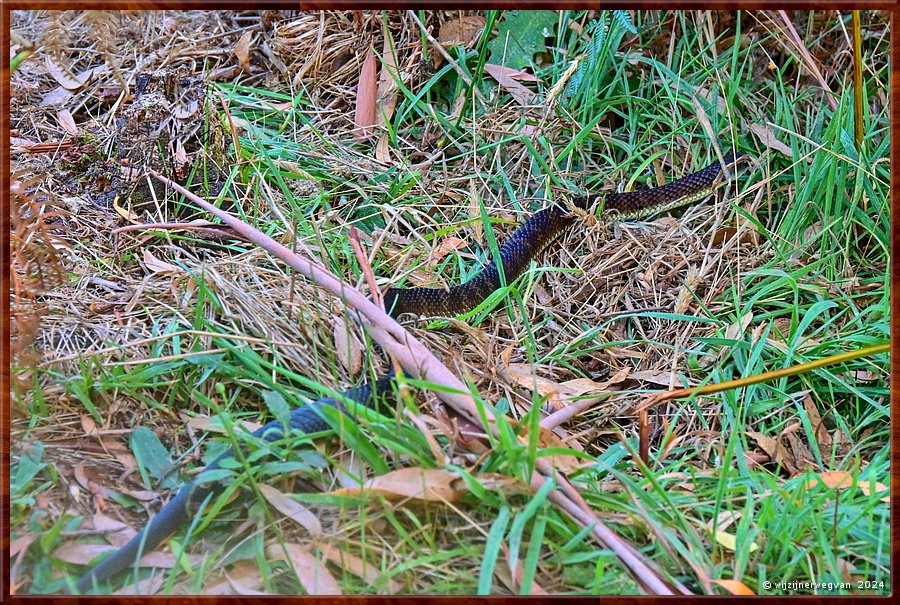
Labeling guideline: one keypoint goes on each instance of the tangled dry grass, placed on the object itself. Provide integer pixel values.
(129, 292)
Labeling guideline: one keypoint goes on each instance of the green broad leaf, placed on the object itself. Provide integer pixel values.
(277, 469)
(152, 457)
(27, 467)
(122, 500)
(278, 406)
(231, 463)
(368, 217)
(50, 538)
(521, 36)
(214, 475)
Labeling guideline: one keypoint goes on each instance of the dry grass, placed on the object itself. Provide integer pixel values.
(616, 301)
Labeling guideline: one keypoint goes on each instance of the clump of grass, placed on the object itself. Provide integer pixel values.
(789, 265)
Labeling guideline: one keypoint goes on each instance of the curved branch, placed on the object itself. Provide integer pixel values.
(417, 361)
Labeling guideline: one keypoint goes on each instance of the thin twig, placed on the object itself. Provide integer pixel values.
(412, 355)
(565, 414)
(446, 55)
(806, 58)
(657, 398)
(366, 266)
(212, 229)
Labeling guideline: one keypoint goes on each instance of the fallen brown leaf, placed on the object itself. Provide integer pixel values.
(383, 148)
(312, 573)
(447, 245)
(147, 586)
(346, 346)
(87, 483)
(815, 419)
(366, 94)
(832, 479)
(292, 509)
(842, 480)
(115, 532)
(735, 587)
(144, 495)
(386, 95)
(563, 462)
(245, 579)
(83, 553)
(660, 377)
(774, 449)
(507, 78)
(525, 377)
(429, 485)
(766, 135)
(865, 487)
(214, 425)
(62, 74)
(65, 119)
(154, 265)
(355, 565)
(243, 575)
(88, 425)
(242, 51)
(736, 330)
(128, 215)
(463, 31)
(21, 544)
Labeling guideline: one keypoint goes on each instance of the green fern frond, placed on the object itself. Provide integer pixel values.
(624, 19)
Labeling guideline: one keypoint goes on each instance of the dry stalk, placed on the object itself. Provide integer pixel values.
(420, 363)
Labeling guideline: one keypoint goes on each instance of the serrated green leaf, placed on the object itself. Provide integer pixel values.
(522, 35)
(624, 20)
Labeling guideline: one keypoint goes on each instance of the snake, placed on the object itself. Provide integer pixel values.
(541, 230)
(526, 242)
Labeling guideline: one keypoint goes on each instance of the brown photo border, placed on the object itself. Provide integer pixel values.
(6, 6)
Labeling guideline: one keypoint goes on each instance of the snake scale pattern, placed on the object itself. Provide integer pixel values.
(540, 231)
(533, 236)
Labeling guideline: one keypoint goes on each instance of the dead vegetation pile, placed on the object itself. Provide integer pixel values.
(126, 291)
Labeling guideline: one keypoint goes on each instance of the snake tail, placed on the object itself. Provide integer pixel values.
(176, 513)
(684, 191)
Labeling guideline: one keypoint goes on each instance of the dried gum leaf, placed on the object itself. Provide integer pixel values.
(242, 51)
(292, 509)
(463, 31)
(366, 92)
(312, 573)
(354, 565)
(62, 74)
(429, 485)
(735, 587)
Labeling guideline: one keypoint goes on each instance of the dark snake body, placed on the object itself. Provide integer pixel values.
(540, 231)
(525, 243)
(178, 511)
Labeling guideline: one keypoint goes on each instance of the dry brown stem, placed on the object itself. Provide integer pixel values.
(419, 362)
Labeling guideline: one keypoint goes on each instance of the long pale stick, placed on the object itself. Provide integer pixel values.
(417, 361)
